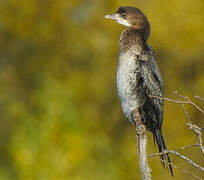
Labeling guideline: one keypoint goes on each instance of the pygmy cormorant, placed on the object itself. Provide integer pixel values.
(138, 75)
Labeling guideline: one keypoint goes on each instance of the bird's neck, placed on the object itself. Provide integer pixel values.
(132, 37)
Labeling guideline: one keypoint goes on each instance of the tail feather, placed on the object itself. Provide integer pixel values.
(157, 134)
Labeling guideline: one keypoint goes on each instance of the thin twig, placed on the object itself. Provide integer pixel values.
(197, 130)
(185, 171)
(179, 102)
(186, 113)
(183, 107)
(200, 98)
(187, 147)
(180, 156)
(188, 100)
(170, 100)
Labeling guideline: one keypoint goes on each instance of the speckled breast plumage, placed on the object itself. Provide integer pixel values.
(127, 82)
(137, 78)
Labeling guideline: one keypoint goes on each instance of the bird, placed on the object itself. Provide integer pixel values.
(138, 76)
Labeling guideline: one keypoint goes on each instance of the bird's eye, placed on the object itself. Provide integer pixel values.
(123, 15)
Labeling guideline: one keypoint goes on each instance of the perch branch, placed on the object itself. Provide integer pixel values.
(142, 143)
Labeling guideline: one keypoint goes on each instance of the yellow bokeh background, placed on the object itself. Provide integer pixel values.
(60, 114)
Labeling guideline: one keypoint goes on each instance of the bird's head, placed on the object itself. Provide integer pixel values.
(131, 17)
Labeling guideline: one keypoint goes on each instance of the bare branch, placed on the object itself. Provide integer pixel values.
(169, 100)
(200, 98)
(186, 113)
(183, 107)
(180, 156)
(142, 143)
(197, 131)
(190, 102)
(179, 102)
(187, 147)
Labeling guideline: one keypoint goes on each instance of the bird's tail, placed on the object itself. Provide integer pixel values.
(162, 147)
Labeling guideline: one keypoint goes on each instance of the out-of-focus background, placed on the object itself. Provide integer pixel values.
(60, 114)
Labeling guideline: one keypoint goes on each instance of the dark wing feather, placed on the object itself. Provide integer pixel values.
(151, 85)
(152, 109)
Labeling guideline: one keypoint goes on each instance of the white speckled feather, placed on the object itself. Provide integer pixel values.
(126, 81)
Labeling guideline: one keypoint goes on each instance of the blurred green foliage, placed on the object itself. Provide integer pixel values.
(60, 114)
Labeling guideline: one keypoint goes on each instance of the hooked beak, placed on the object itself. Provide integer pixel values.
(118, 19)
(113, 16)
